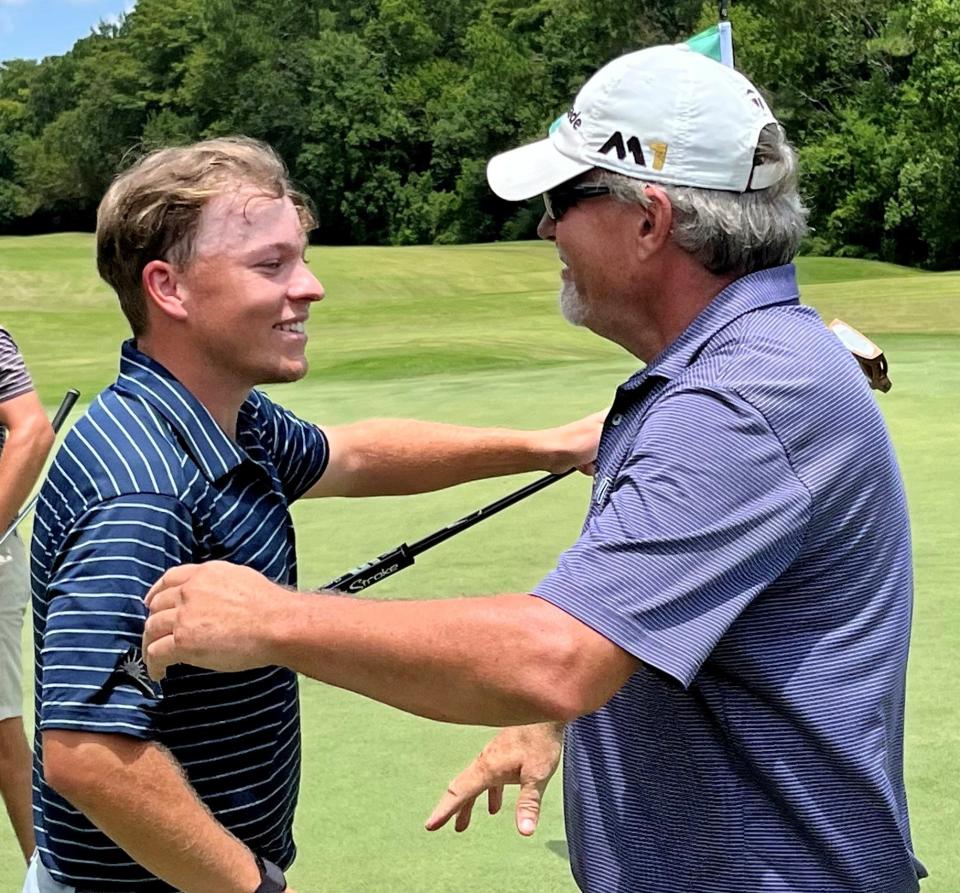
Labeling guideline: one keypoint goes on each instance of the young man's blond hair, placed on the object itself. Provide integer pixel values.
(152, 210)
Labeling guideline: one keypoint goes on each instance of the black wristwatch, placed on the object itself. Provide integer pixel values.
(271, 877)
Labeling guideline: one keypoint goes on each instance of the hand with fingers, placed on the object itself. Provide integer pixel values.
(574, 445)
(214, 615)
(524, 755)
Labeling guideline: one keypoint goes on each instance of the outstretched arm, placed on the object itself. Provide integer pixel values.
(502, 660)
(391, 457)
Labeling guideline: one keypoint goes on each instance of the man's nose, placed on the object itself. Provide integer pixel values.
(547, 228)
(306, 287)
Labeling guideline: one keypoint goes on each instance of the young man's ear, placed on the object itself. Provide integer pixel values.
(655, 224)
(162, 287)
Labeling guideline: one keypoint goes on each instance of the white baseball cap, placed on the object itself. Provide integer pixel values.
(665, 114)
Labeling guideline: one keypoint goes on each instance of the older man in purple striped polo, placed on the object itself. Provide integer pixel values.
(725, 645)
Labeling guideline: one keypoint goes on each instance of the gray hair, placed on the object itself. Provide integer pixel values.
(731, 232)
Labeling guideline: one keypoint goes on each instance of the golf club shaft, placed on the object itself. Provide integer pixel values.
(404, 555)
(434, 539)
(58, 419)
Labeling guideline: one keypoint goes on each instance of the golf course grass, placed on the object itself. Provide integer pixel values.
(471, 334)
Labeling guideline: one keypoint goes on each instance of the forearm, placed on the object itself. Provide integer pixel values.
(501, 660)
(21, 461)
(138, 796)
(385, 457)
(489, 661)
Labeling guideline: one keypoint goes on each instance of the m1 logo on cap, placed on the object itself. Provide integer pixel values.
(633, 144)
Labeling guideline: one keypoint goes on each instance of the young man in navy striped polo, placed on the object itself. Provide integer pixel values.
(192, 787)
(726, 642)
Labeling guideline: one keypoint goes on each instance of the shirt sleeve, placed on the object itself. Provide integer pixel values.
(704, 515)
(14, 378)
(299, 449)
(95, 612)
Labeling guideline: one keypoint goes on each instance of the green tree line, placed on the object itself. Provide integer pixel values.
(387, 110)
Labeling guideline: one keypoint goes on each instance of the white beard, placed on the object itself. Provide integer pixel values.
(571, 304)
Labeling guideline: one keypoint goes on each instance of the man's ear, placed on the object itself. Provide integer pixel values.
(163, 288)
(655, 224)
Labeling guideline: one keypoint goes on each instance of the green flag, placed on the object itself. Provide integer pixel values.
(715, 42)
(707, 43)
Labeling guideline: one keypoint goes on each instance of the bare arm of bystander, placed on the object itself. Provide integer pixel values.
(28, 441)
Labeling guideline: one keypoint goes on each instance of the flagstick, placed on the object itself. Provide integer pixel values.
(726, 34)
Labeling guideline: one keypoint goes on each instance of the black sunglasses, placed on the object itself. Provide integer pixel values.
(560, 200)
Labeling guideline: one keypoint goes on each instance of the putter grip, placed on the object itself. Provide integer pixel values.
(65, 406)
(373, 571)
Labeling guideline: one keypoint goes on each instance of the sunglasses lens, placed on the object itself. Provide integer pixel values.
(548, 206)
(560, 200)
(557, 203)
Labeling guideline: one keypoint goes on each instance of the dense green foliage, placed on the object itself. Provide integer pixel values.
(386, 110)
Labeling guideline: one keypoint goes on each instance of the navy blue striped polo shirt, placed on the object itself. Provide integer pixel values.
(748, 541)
(144, 481)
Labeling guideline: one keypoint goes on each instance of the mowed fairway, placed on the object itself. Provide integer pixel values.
(471, 334)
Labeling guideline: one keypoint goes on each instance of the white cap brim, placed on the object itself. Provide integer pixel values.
(529, 170)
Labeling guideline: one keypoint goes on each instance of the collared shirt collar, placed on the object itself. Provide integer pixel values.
(208, 445)
(765, 288)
